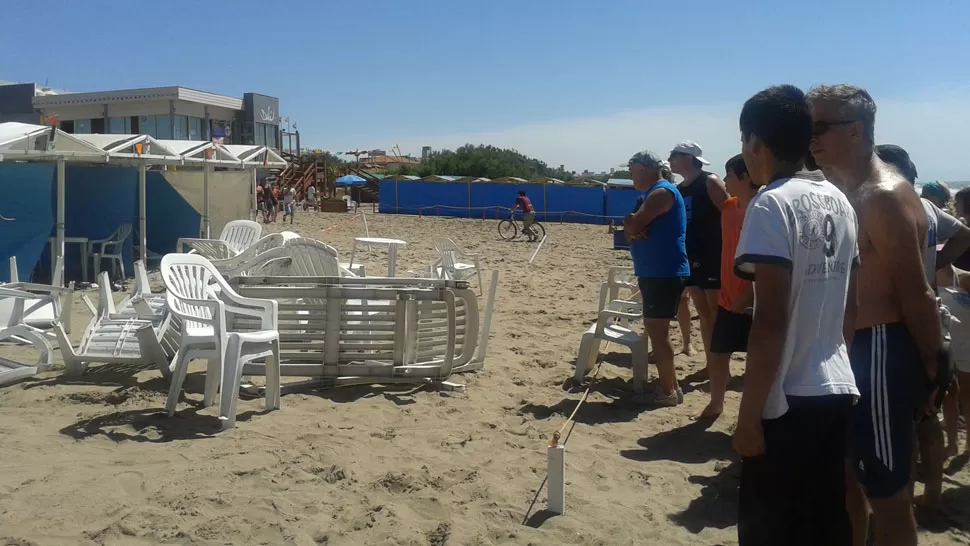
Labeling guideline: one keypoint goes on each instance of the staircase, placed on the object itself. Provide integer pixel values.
(301, 175)
(365, 194)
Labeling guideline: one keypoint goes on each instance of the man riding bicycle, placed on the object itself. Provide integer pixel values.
(528, 214)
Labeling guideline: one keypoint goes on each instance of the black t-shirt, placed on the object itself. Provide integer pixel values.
(703, 220)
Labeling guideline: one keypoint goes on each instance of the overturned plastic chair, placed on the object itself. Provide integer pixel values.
(612, 326)
(236, 237)
(264, 244)
(190, 280)
(456, 263)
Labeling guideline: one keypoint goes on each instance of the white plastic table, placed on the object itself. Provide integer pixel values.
(83, 241)
(391, 245)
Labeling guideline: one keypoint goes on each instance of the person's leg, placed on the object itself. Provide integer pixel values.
(856, 505)
(663, 352)
(704, 312)
(827, 503)
(964, 379)
(930, 439)
(951, 418)
(683, 320)
(895, 523)
(719, 370)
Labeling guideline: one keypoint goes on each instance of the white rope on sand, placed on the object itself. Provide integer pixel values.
(538, 248)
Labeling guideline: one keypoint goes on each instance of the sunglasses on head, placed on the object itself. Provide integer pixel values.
(821, 127)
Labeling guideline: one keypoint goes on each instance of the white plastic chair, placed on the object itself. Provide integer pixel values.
(236, 237)
(351, 204)
(110, 249)
(456, 263)
(610, 327)
(618, 277)
(205, 334)
(269, 242)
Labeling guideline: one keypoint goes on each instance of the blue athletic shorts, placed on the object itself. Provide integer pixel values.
(889, 374)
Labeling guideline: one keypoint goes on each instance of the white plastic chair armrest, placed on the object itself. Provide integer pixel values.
(607, 314)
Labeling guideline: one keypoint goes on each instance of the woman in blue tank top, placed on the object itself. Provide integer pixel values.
(657, 234)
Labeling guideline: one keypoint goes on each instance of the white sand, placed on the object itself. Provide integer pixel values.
(93, 460)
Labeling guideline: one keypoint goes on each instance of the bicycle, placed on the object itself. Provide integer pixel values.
(509, 229)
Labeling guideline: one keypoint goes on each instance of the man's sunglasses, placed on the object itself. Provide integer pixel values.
(819, 128)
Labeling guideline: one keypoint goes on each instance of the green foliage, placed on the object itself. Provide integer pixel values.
(485, 161)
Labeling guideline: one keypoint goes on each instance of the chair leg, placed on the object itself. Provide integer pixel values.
(481, 287)
(231, 380)
(273, 378)
(588, 350)
(121, 266)
(178, 378)
(213, 376)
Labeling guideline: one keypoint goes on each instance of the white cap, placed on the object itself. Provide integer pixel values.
(692, 149)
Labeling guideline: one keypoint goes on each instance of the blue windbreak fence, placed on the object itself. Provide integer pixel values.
(26, 217)
(552, 202)
(620, 202)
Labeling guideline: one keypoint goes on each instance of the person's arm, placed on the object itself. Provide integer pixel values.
(717, 191)
(956, 237)
(851, 307)
(745, 299)
(657, 202)
(766, 341)
(895, 237)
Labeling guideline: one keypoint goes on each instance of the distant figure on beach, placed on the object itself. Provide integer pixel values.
(798, 245)
(898, 337)
(732, 324)
(936, 192)
(528, 214)
(289, 203)
(261, 202)
(704, 195)
(311, 198)
(273, 202)
(656, 231)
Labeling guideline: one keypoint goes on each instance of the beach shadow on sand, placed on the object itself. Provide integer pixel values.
(690, 444)
(717, 505)
(619, 408)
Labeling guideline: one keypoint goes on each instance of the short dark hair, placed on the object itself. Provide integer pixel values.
(780, 117)
(899, 158)
(736, 165)
(963, 196)
(521, 192)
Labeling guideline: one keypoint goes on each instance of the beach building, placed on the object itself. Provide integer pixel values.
(165, 113)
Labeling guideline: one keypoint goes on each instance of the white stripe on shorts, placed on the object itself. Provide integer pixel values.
(879, 404)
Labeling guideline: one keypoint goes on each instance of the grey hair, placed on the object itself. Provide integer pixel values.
(855, 103)
(652, 161)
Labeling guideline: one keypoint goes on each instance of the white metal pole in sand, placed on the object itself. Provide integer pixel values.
(59, 234)
(366, 230)
(205, 200)
(142, 214)
(556, 484)
(536, 253)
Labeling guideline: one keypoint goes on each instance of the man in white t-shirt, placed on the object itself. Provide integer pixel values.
(799, 246)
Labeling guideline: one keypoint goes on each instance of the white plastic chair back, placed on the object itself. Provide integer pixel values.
(187, 279)
(117, 239)
(241, 234)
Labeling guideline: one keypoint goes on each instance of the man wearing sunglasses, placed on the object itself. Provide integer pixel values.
(897, 337)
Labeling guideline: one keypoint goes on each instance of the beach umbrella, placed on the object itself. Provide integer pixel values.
(350, 180)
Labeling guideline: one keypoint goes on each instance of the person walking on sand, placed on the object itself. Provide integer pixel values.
(704, 195)
(898, 335)
(289, 203)
(528, 214)
(732, 323)
(798, 245)
(656, 233)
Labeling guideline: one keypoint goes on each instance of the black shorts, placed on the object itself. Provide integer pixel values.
(661, 296)
(730, 334)
(892, 387)
(794, 494)
(705, 270)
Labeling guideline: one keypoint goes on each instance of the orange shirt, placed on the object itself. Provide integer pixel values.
(731, 285)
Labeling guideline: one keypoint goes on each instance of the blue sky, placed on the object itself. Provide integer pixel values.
(572, 82)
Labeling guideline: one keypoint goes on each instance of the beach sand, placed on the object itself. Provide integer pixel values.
(93, 460)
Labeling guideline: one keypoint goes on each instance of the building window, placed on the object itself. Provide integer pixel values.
(119, 126)
(181, 128)
(195, 129)
(260, 134)
(67, 126)
(271, 136)
(146, 125)
(163, 127)
(82, 127)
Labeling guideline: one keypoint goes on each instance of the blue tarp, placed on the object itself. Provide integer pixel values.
(28, 218)
(169, 216)
(620, 202)
(583, 204)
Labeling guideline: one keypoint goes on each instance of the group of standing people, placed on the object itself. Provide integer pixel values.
(812, 258)
(271, 197)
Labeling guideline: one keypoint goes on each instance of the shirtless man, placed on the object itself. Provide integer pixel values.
(898, 335)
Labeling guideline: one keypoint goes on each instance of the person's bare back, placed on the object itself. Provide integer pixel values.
(887, 207)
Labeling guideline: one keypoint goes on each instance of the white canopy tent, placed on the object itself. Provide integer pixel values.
(38, 143)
